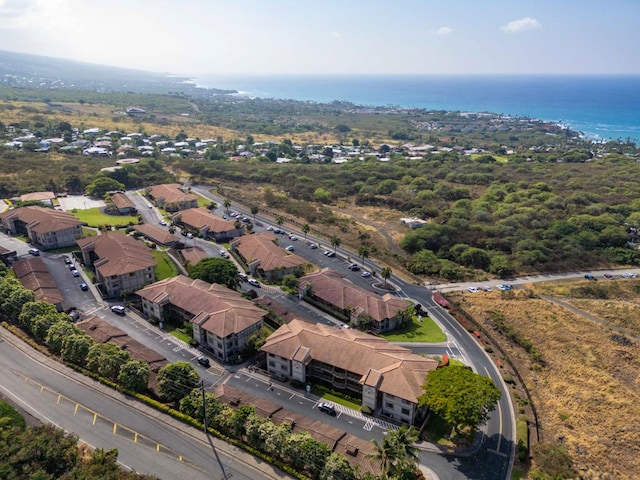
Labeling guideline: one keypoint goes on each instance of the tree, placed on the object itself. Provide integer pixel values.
(337, 467)
(102, 185)
(58, 332)
(363, 252)
(397, 456)
(134, 375)
(305, 229)
(385, 273)
(280, 220)
(216, 270)
(227, 204)
(106, 359)
(290, 281)
(30, 310)
(75, 348)
(177, 380)
(254, 212)
(459, 396)
(335, 243)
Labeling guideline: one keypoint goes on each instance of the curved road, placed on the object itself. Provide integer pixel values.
(147, 441)
(494, 459)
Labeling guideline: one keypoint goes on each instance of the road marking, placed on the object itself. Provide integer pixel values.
(499, 418)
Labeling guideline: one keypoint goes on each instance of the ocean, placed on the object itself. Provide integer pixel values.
(602, 107)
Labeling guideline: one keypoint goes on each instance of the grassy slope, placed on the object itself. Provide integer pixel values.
(588, 394)
(93, 217)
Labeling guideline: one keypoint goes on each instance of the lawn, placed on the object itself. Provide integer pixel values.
(417, 331)
(165, 267)
(322, 392)
(176, 332)
(203, 202)
(95, 218)
(499, 158)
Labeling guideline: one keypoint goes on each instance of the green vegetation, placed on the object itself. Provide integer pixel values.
(462, 398)
(10, 418)
(216, 270)
(522, 438)
(93, 217)
(176, 331)
(425, 331)
(165, 268)
(335, 397)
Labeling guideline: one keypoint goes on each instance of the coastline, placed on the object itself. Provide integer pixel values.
(599, 107)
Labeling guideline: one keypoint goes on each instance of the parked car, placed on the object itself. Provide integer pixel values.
(327, 408)
(331, 254)
(71, 266)
(473, 289)
(34, 251)
(504, 288)
(75, 273)
(608, 275)
(254, 282)
(84, 287)
(289, 248)
(588, 276)
(243, 276)
(292, 237)
(628, 275)
(487, 288)
(163, 223)
(365, 274)
(118, 309)
(269, 228)
(67, 260)
(354, 267)
(313, 246)
(204, 361)
(224, 254)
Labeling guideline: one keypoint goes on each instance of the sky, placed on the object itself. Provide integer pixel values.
(262, 37)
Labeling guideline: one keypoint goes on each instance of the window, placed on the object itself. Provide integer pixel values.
(405, 411)
(284, 367)
(272, 363)
(390, 405)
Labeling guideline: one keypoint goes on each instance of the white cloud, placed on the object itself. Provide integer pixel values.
(444, 31)
(516, 26)
(35, 14)
(335, 35)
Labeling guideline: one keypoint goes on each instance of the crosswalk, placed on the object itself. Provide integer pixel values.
(369, 422)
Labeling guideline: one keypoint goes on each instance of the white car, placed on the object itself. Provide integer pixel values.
(289, 248)
(365, 274)
(313, 246)
(628, 275)
(473, 289)
(254, 282)
(293, 237)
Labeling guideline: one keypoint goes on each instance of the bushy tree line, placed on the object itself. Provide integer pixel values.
(48, 453)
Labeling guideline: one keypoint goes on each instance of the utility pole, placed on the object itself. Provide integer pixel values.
(225, 475)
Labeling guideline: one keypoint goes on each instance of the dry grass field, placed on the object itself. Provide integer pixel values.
(585, 382)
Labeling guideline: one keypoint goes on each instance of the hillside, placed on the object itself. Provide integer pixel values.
(583, 375)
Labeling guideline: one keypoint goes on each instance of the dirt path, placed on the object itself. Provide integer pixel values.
(591, 317)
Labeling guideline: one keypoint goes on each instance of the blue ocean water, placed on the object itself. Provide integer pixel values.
(602, 107)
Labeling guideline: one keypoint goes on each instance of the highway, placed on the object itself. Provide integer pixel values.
(147, 441)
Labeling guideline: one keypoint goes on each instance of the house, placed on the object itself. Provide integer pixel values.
(46, 198)
(6, 255)
(158, 235)
(45, 227)
(388, 378)
(172, 198)
(122, 264)
(381, 313)
(34, 275)
(222, 319)
(207, 225)
(123, 204)
(264, 258)
(413, 222)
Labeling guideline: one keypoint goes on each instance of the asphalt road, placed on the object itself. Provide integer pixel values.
(495, 457)
(145, 443)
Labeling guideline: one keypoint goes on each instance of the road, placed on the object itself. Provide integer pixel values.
(147, 441)
(494, 459)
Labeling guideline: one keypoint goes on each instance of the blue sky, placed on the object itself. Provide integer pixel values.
(332, 36)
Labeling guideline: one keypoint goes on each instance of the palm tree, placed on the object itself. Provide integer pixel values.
(386, 274)
(254, 211)
(385, 453)
(405, 454)
(335, 243)
(227, 204)
(305, 230)
(363, 252)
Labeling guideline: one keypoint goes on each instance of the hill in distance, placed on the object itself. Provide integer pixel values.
(23, 70)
